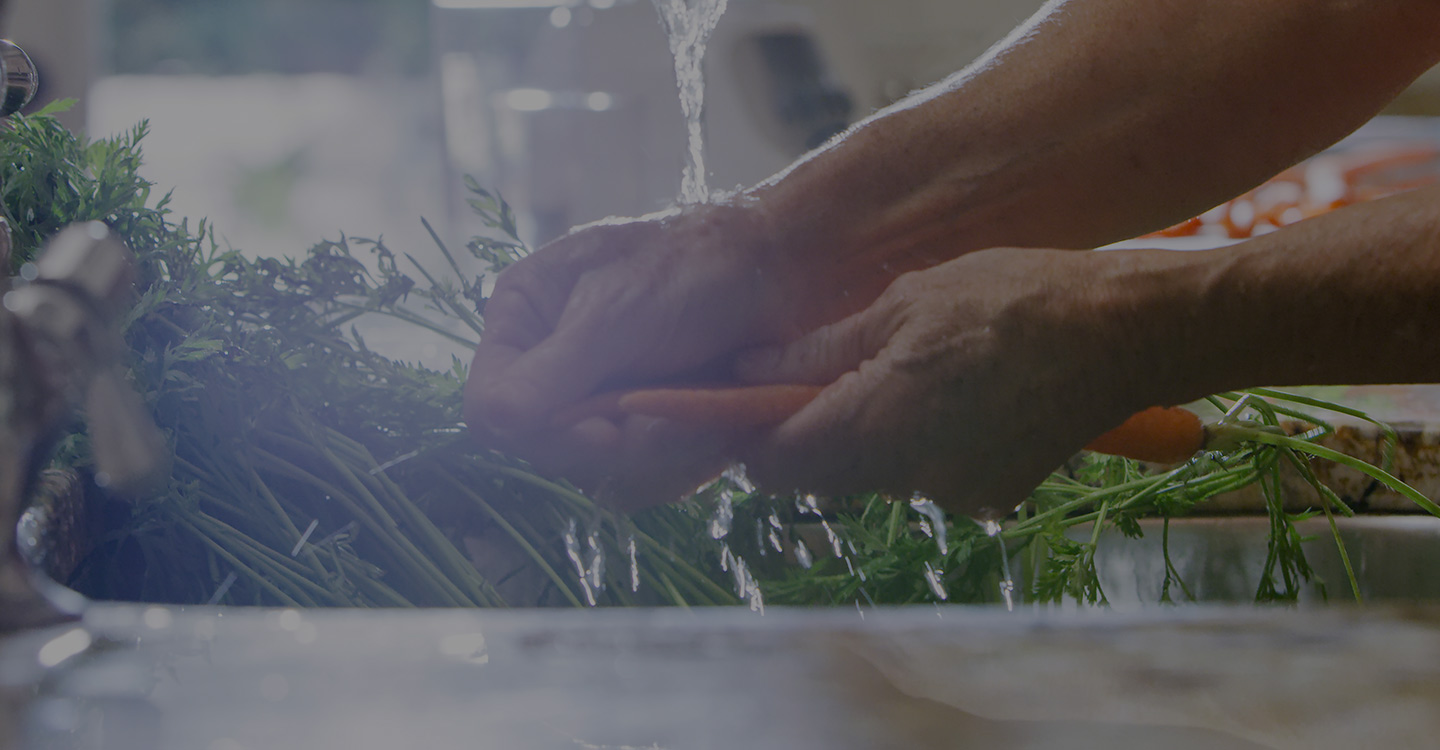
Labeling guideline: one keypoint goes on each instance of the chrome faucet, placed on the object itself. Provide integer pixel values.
(18, 79)
(59, 348)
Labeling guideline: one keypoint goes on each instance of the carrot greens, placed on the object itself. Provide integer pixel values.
(311, 470)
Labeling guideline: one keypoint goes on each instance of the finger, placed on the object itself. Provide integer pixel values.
(568, 365)
(821, 356)
(830, 445)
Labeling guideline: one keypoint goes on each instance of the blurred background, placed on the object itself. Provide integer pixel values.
(289, 121)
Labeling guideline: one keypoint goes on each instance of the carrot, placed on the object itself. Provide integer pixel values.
(736, 408)
(1159, 435)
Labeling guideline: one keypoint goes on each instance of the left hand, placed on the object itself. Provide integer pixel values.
(968, 382)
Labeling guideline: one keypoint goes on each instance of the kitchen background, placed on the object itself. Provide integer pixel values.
(290, 121)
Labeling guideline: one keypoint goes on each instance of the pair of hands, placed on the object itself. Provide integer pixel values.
(968, 381)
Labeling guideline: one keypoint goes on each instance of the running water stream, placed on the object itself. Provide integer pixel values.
(688, 24)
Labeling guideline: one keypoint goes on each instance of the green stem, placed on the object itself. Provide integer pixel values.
(1242, 432)
(519, 538)
(238, 566)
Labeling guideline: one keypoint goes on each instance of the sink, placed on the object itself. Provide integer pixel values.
(1395, 559)
(1195, 678)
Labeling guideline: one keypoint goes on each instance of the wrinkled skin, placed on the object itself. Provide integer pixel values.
(613, 305)
(1096, 121)
(968, 382)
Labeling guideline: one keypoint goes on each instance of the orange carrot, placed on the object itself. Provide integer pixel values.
(1159, 435)
(729, 407)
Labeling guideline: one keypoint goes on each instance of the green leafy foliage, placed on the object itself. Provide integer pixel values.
(309, 470)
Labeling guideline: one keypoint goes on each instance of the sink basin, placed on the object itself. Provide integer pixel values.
(1394, 557)
(1197, 678)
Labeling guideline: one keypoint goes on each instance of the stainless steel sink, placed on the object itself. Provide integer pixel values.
(1394, 557)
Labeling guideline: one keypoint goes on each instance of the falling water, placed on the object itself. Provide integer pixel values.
(688, 24)
(934, 578)
(802, 554)
(634, 555)
(934, 522)
(582, 571)
(724, 515)
(1007, 582)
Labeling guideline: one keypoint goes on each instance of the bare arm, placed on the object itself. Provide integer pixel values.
(971, 380)
(1096, 121)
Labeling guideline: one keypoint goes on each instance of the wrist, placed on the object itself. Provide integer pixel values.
(1163, 317)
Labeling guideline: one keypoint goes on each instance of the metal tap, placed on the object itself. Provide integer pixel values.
(60, 348)
(18, 79)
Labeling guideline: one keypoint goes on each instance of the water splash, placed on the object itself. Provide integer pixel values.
(802, 554)
(634, 555)
(934, 522)
(595, 566)
(774, 534)
(735, 475)
(688, 25)
(933, 576)
(1007, 581)
(724, 516)
(572, 551)
(746, 587)
(833, 537)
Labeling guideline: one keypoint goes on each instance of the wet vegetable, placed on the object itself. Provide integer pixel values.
(310, 470)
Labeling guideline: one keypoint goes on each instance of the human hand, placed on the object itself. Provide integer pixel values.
(968, 382)
(619, 304)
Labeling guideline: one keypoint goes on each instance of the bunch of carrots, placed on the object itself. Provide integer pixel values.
(1163, 435)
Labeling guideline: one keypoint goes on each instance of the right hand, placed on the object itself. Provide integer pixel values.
(626, 303)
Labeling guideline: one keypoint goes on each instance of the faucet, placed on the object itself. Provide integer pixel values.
(59, 348)
(18, 78)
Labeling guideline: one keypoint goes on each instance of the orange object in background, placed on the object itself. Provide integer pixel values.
(1322, 184)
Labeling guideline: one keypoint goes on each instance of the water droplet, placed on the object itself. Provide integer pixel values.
(596, 564)
(802, 554)
(937, 586)
(934, 522)
(1007, 581)
(833, 537)
(634, 563)
(724, 515)
(572, 551)
(736, 475)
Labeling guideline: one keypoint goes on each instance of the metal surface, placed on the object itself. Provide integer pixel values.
(1196, 679)
(19, 77)
(59, 346)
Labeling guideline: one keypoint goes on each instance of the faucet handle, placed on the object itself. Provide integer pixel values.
(18, 76)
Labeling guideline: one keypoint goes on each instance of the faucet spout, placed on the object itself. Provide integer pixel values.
(60, 347)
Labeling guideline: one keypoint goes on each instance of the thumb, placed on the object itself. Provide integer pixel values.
(819, 357)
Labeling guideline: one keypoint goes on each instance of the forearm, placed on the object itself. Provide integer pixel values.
(1347, 298)
(1097, 121)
